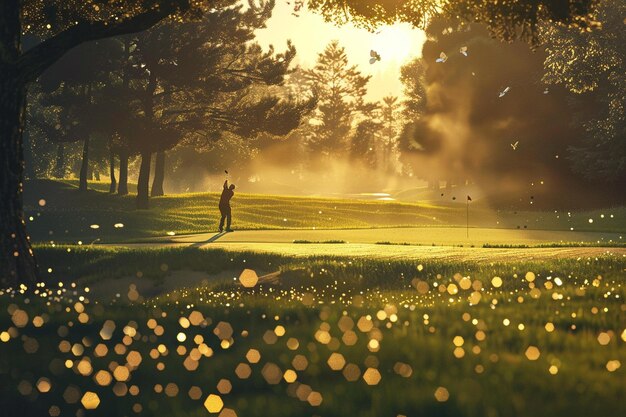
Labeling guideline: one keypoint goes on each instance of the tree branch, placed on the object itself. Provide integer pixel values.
(36, 60)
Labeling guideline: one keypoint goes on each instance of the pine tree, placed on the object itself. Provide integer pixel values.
(341, 91)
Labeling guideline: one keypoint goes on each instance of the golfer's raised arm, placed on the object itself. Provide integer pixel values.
(226, 184)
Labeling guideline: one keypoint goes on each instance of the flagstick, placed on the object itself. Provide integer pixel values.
(467, 212)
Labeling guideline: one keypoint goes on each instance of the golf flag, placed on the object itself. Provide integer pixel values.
(469, 198)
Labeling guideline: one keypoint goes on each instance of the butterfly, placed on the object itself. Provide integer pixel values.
(297, 5)
(546, 91)
(442, 58)
(514, 145)
(375, 56)
(463, 50)
(503, 92)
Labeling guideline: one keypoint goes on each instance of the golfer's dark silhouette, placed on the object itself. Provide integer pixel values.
(227, 194)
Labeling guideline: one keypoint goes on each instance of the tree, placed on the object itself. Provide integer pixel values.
(341, 91)
(410, 140)
(364, 145)
(206, 76)
(390, 120)
(413, 78)
(591, 65)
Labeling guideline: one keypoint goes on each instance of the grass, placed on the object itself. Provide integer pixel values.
(400, 319)
(386, 242)
(68, 214)
(603, 244)
(318, 241)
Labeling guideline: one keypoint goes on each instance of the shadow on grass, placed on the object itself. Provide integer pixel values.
(209, 240)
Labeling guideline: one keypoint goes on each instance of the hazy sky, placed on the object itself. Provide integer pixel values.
(310, 34)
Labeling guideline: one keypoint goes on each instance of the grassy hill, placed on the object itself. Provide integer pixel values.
(68, 215)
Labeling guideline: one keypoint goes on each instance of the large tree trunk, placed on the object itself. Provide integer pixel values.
(159, 175)
(17, 261)
(143, 199)
(84, 167)
(113, 185)
(143, 182)
(59, 167)
(122, 188)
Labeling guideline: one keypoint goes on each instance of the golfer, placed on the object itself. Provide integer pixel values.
(227, 194)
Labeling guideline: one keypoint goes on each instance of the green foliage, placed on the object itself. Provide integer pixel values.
(413, 77)
(592, 65)
(507, 20)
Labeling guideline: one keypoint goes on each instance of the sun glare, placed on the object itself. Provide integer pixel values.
(396, 44)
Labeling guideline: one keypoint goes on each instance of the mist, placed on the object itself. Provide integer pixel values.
(489, 121)
(286, 167)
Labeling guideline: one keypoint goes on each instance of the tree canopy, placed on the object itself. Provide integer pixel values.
(506, 19)
(592, 65)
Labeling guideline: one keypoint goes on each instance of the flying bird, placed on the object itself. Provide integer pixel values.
(442, 58)
(375, 56)
(514, 145)
(503, 92)
(463, 50)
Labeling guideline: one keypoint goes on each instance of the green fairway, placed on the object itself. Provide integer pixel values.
(331, 336)
(68, 215)
(435, 236)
